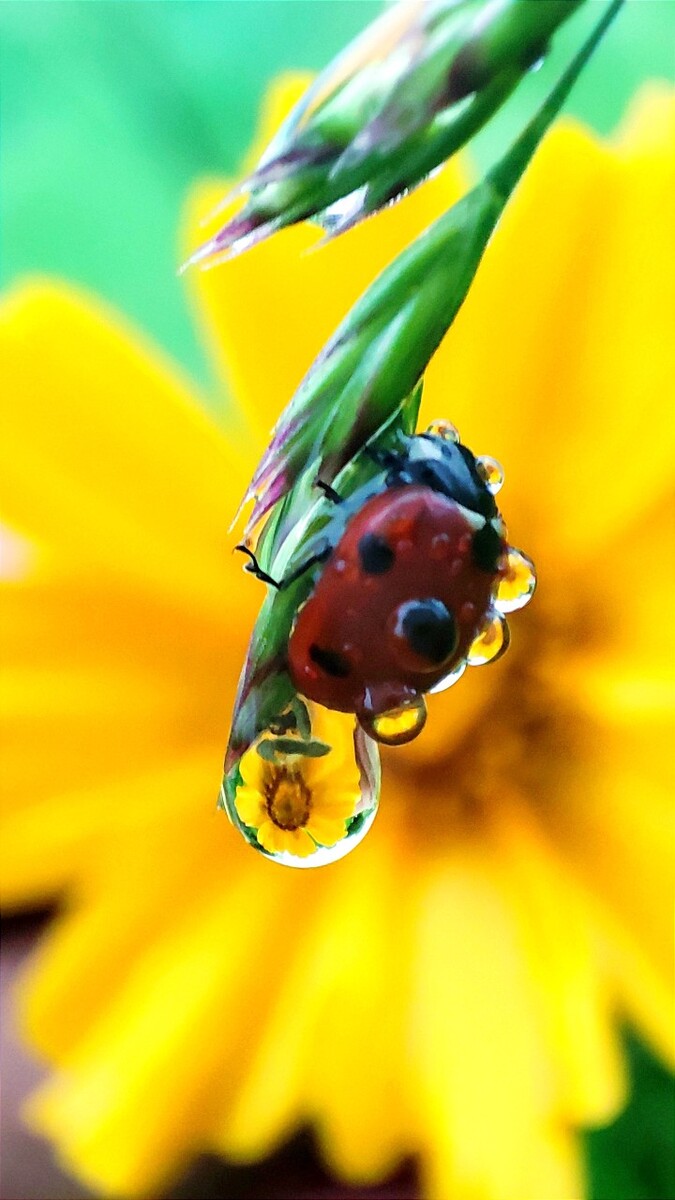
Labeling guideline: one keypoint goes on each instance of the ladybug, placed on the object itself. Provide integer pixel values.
(407, 583)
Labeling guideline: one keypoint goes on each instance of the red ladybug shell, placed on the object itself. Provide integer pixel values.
(360, 642)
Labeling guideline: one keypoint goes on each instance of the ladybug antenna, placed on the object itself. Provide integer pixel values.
(328, 491)
(254, 568)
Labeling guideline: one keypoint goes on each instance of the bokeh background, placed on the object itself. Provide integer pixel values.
(111, 110)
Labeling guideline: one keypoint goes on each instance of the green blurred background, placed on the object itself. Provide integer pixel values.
(112, 108)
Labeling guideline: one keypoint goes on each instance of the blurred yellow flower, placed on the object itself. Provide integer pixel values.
(301, 803)
(512, 902)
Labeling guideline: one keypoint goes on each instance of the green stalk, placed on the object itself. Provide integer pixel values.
(385, 342)
(408, 94)
(365, 385)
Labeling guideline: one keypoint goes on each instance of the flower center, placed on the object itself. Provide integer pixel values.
(524, 737)
(288, 800)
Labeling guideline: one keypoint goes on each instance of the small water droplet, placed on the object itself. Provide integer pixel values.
(305, 801)
(516, 583)
(444, 429)
(448, 680)
(440, 546)
(342, 211)
(491, 641)
(491, 472)
(399, 725)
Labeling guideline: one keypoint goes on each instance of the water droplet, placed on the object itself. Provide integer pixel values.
(491, 472)
(448, 680)
(444, 429)
(399, 725)
(343, 211)
(517, 582)
(490, 642)
(440, 546)
(305, 801)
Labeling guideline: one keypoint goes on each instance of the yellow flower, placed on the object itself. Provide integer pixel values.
(301, 803)
(512, 902)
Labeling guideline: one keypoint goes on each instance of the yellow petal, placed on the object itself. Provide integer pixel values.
(268, 296)
(108, 459)
(553, 1168)
(252, 769)
(167, 1020)
(644, 996)
(482, 1073)
(649, 123)
(616, 828)
(250, 806)
(268, 1104)
(115, 475)
(616, 820)
(103, 685)
(626, 671)
(560, 941)
(78, 709)
(335, 771)
(559, 363)
(285, 841)
(62, 837)
(360, 971)
(336, 800)
(135, 877)
(327, 830)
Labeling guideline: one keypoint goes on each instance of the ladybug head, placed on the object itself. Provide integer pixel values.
(448, 467)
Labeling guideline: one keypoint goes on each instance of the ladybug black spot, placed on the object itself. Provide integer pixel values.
(429, 629)
(330, 661)
(376, 554)
(487, 548)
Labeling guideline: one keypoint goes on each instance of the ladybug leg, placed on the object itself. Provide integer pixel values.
(255, 569)
(328, 491)
(319, 557)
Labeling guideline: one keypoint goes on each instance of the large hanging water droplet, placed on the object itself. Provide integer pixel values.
(516, 583)
(491, 641)
(305, 800)
(398, 725)
(448, 680)
(444, 429)
(491, 472)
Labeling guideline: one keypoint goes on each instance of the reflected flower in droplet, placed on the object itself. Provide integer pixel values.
(444, 429)
(450, 679)
(491, 641)
(396, 726)
(491, 472)
(517, 582)
(303, 804)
